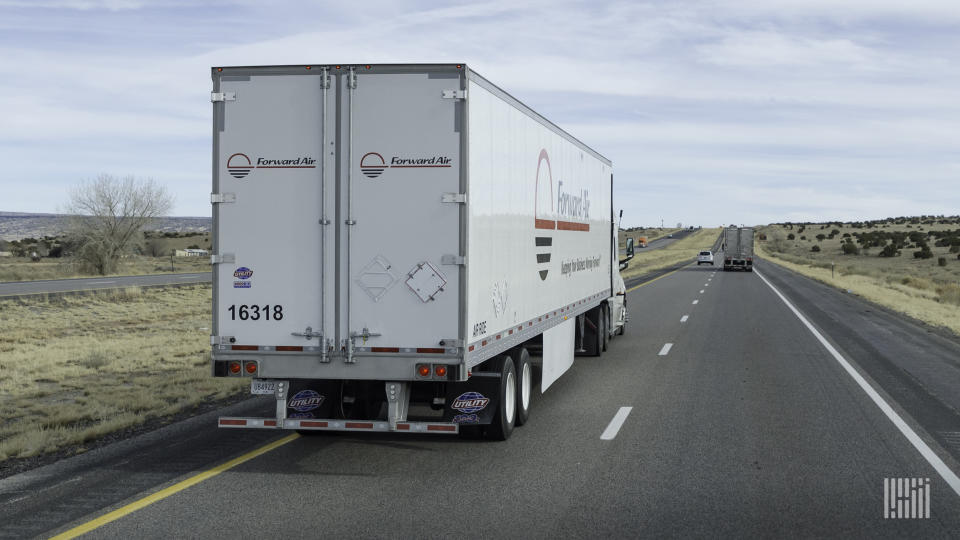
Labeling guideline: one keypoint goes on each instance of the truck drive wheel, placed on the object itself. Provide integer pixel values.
(521, 362)
(605, 315)
(503, 420)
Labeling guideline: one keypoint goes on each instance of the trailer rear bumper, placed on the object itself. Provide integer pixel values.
(314, 424)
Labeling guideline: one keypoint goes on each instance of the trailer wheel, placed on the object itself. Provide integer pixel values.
(521, 362)
(503, 420)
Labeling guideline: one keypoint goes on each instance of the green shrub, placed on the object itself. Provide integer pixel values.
(942, 261)
(815, 248)
(890, 250)
(790, 236)
(850, 249)
(924, 253)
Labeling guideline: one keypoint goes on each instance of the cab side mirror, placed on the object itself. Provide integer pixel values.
(629, 247)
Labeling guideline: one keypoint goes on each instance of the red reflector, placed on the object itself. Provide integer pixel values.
(251, 367)
(498, 336)
(244, 347)
(404, 427)
(428, 350)
(440, 370)
(483, 343)
(439, 427)
(359, 425)
(235, 367)
(228, 422)
(289, 348)
(471, 348)
(312, 423)
(271, 423)
(384, 349)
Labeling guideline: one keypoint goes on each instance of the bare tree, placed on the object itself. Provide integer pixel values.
(107, 215)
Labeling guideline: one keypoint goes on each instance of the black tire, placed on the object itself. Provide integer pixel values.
(503, 420)
(521, 362)
(605, 315)
(623, 327)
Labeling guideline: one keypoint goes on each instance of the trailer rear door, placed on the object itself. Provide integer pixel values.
(269, 185)
(402, 211)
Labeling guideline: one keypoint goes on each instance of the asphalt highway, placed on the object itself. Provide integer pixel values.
(729, 409)
(60, 286)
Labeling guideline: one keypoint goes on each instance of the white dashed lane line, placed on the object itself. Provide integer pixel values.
(614, 426)
(701, 291)
(665, 349)
(684, 318)
(696, 301)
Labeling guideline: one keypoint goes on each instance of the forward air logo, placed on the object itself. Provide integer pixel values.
(239, 165)
(569, 205)
(372, 164)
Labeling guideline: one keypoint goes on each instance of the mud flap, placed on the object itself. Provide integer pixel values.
(313, 399)
(474, 401)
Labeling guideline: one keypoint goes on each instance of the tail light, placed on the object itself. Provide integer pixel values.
(250, 367)
(235, 368)
(423, 370)
(440, 370)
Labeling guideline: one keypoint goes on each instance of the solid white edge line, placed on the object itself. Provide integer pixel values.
(665, 349)
(932, 458)
(614, 426)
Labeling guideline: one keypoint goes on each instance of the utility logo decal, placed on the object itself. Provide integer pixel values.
(243, 275)
(470, 402)
(305, 401)
(239, 165)
(372, 164)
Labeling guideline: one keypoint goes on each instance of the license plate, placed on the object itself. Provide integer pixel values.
(258, 386)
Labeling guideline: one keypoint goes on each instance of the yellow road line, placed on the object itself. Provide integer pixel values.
(658, 277)
(166, 492)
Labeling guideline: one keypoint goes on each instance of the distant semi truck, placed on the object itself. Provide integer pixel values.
(396, 245)
(738, 249)
(642, 241)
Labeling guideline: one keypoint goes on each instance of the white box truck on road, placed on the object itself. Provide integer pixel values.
(392, 242)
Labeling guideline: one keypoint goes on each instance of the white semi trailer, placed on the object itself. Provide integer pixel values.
(738, 248)
(392, 242)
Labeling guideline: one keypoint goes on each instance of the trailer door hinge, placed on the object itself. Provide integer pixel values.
(223, 96)
(454, 198)
(223, 258)
(223, 198)
(453, 259)
(454, 94)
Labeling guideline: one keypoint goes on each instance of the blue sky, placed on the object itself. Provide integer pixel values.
(715, 112)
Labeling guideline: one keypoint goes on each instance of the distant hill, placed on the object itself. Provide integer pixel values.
(18, 225)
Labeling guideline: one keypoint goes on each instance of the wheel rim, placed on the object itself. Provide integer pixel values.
(525, 386)
(510, 396)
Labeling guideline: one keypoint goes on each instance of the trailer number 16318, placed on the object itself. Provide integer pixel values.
(255, 312)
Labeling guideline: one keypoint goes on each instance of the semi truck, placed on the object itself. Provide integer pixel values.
(738, 248)
(396, 247)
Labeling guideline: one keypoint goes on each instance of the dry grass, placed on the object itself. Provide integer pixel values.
(919, 297)
(677, 252)
(76, 368)
(22, 269)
